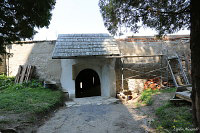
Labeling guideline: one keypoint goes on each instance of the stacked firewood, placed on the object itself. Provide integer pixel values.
(153, 84)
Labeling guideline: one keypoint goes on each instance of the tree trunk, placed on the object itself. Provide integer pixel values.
(195, 58)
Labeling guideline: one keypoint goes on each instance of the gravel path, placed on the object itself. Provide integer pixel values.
(96, 115)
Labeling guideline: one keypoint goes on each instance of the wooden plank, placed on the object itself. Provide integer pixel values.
(172, 74)
(26, 73)
(30, 72)
(23, 74)
(189, 88)
(18, 76)
(184, 95)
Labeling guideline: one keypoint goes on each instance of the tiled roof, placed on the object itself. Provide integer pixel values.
(84, 45)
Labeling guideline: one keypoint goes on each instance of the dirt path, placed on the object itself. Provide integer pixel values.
(102, 116)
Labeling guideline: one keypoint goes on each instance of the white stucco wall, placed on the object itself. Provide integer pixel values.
(105, 69)
(108, 80)
(66, 81)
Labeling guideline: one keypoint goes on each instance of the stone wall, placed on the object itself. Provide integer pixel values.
(2, 64)
(138, 67)
(142, 60)
(38, 54)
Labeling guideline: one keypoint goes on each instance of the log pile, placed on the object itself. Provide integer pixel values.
(154, 84)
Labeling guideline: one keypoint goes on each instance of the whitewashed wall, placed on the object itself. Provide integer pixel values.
(103, 67)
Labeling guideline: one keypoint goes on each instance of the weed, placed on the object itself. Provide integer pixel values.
(6, 82)
(146, 96)
(173, 118)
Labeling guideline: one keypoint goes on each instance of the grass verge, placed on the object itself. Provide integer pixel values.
(28, 97)
(25, 103)
(146, 95)
(171, 118)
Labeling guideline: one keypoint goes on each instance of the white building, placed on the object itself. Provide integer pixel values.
(88, 64)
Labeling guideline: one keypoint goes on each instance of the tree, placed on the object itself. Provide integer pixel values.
(165, 16)
(19, 18)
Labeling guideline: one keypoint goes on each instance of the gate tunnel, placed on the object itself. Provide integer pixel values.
(87, 84)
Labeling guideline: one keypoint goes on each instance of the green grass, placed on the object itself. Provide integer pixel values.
(29, 97)
(146, 95)
(168, 90)
(172, 118)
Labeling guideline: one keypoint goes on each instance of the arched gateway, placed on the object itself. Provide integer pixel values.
(87, 84)
(81, 51)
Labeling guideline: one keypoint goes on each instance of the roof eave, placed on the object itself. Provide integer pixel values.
(91, 56)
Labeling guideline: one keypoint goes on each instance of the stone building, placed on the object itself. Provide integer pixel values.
(74, 60)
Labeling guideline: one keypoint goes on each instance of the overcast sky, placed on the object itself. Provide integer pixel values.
(79, 16)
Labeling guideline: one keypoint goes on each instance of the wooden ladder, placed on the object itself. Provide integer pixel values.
(180, 67)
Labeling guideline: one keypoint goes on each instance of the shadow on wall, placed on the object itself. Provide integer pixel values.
(37, 53)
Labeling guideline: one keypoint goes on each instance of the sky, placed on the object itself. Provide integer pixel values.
(80, 16)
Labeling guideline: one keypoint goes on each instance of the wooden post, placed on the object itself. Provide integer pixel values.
(122, 73)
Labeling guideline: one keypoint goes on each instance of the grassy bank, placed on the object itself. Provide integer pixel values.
(30, 99)
(146, 95)
(171, 118)
(27, 97)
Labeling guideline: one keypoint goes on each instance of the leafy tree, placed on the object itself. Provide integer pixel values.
(165, 16)
(19, 18)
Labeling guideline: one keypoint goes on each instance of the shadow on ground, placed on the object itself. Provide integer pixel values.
(96, 115)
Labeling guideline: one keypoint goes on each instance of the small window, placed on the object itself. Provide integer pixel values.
(93, 80)
(81, 85)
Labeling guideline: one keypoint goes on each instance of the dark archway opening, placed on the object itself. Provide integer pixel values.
(87, 84)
